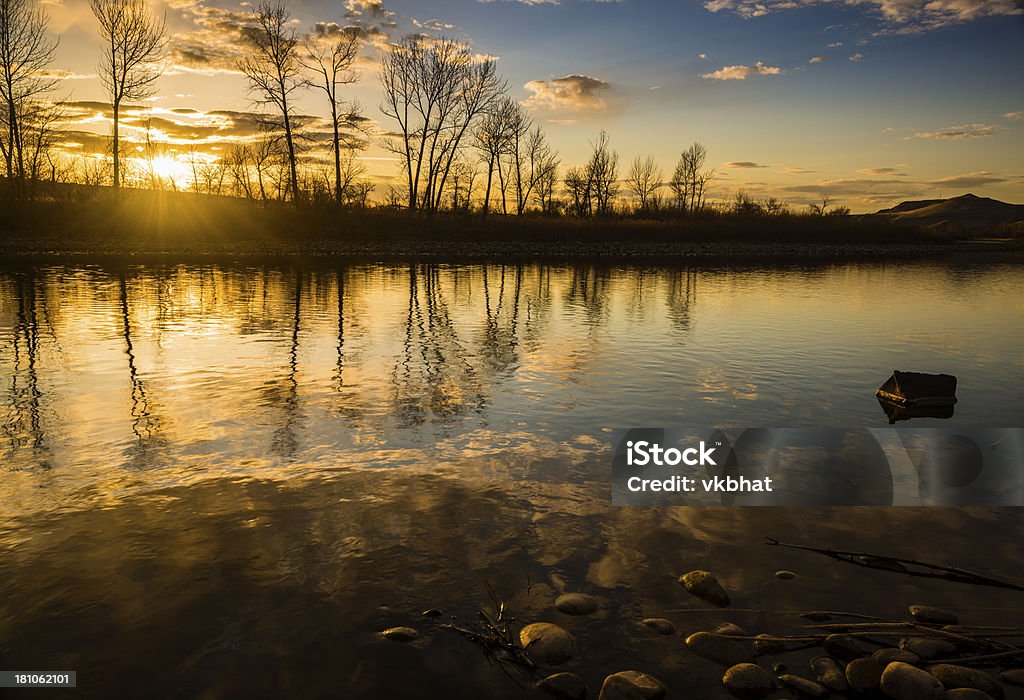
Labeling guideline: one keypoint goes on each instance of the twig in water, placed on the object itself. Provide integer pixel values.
(910, 567)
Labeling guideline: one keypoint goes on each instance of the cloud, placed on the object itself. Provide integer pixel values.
(977, 179)
(960, 131)
(1014, 115)
(56, 74)
(856, 57)
(572, 91)
(817, 59)
(702, 56)
(742, 164)
(881, 171)
(357, 8)
(742, 72)
(796, 171)
(895, 16)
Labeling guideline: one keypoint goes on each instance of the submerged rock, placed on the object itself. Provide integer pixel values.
(631, 685)
(888, 655)
(785, 575)
(576, 604)
(803, 686)
(845, 647)
(864, 675)
(927, 648)
(400, 634)
(902, 681)
(748, 681)
(568, 686)
(659, 625)
(933, 616)
(766, 645)
(1013, 676)
(721, 650)
(547, 643)
(952, 676)
(730, 630)
(705, 586)
(829, 674)
(966, 694)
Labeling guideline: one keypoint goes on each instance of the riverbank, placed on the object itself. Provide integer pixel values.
(177, 227)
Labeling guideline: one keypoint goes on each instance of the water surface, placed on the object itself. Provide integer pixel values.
(222, 480)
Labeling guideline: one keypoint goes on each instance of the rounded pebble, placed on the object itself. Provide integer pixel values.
(864, 675)
(803, 686)
(888, 655)
(902, 681)
(933, 616)
(631, 685)
(927, 648)
(575, 604)
(829, 674)
(1013, 676)
(845, 647)
(721, 650)
(705, 586)
(785, 575)
(748, 681)
(953, 676)
(547, 643)
(568, 686)
(730, 630)
(966, 694)
(400, 634)
(659, 625)
(766, 645)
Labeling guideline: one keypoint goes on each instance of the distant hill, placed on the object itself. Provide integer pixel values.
(965, 212)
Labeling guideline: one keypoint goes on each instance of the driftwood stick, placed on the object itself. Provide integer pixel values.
(908, 567)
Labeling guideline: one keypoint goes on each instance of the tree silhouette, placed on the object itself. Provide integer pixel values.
(134, 40)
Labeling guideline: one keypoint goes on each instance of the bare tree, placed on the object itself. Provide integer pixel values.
(491, 138)
(602, 173)
(330, 53)
(25, 52)
(133, 42)
(274, 70)
(821, 209)
(577, 187)
(644, 180)
(689, 180)
(435, 90)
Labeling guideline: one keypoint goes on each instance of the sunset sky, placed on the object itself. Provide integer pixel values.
(871, 101)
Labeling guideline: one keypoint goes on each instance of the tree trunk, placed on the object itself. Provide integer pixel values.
(337, 154)
(117, 149)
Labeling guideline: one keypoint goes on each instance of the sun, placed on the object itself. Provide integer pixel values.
(170, 168)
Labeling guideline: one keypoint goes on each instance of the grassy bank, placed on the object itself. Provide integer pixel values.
(147, 222)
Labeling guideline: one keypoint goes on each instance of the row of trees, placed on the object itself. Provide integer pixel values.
(456, 129)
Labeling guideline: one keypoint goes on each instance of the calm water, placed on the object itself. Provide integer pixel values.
(221, 481)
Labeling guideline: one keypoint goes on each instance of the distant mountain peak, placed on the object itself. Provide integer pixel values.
(967, 211)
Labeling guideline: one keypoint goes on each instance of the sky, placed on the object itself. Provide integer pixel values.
(869, 101)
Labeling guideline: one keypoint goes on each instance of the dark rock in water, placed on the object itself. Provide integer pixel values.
(902, 681)
(829, 674)
(953, 676)
(705, 586)
(933, 616)
(888, 655)
(631, 685)
(432, 612)
(927, 648)
(575, 604)
(766, 646)
(400, 634)
(845, 647)
(803, 686)
(785, 575)
(568, 686)
(748, 681)
(547, 643)
(1013, 676)
(721, 650)
(778, 667)
(730, 630)
(966, 694)
(659, 625)
(864, 675)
